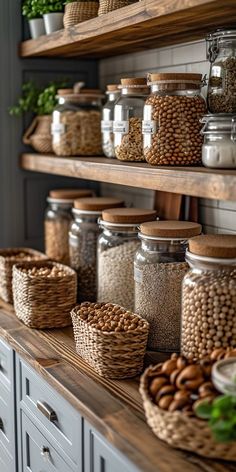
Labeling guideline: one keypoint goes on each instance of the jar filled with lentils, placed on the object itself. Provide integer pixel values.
(171, 126)
(117, 246)
(159, 269)
(57, 222)
(83, 242)
(107, 120)
(128, 114)
(209, 296)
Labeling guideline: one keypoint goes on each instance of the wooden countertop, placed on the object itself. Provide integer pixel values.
(113, 407)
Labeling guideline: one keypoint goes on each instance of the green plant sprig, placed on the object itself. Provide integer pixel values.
(50, 6)
(221, 416)
(31, 9)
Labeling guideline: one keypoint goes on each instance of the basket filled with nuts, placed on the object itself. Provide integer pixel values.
(111, 339)
(44, 294)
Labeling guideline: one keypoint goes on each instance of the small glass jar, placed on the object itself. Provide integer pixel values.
(57, 222)
(221, 52)
(219, 147)
(128, 114)
(171, 127)
(209, 296)
(117, 246)
(83, 237)
(159, 268)
(107, 121)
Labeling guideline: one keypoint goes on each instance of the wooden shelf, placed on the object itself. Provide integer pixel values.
(195, 181)
(145, 24)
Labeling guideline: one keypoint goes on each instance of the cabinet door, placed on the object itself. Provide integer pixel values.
(7, 464)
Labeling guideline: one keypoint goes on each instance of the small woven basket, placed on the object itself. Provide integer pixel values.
(44, 302)
(180, 430)
(77, 12)
(105, 6)
(115, 355)
(7, 261)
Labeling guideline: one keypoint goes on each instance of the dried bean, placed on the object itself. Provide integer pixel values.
(130, 147)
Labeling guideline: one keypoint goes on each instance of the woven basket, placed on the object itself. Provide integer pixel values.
(77, 12)
(38, 135)
(115, 355)
(109, 5)
(44, 302)
(6, 265)
(180, 430)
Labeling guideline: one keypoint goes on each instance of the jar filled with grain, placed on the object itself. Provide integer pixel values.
(113, 94)
(83, 237)
(117, 246)
(209, 296)
(221, 52)
(57, 222)
(171, 126)
(159, 268)
(128, 114)
(219, 147)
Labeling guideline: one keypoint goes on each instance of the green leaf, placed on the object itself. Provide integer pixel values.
(204, 410)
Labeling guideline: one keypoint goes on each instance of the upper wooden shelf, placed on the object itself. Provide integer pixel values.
(145, 24)
(195, 181)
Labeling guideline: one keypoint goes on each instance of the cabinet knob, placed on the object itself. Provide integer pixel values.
(45, 452)
(47, 411)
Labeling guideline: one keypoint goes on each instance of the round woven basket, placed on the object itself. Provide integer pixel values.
(109, 5)
(115, 355)
(180, 430)
(44, 302)
(38, 135)
(77, 12)
(7, 261)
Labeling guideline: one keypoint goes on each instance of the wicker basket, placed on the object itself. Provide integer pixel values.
(7, 262)
(77, 12)
(180, 430)
(44, 302)
(115, 355)
(109, 5)
(38, 135)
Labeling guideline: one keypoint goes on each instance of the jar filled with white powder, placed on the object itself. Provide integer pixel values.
(219, 148)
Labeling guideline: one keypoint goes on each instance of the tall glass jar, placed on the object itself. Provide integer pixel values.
(107, 120)
(76, 123)
(159, 268)
(128, 119)
(83, 237)
(219, 147)
(209, 296)
(57, 222)
(117, 246)
(171, 127)
(221, 52)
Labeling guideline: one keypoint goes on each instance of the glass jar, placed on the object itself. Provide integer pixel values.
(221, 52)
(83, 237)
(128, 114)
(76, 124)
(117, 246)
(219, 147)
(171, 127)
(209, 296)
(159, 268)
(57, 222)
(107, 121)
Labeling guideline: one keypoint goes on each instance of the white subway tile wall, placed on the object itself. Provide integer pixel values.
(215, 216)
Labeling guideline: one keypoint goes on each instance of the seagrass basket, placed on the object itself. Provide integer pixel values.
(115, 355)
(77, 12)
(38, 135)
(42, 301)
(9, 257)
(109, 5)
(182, 431)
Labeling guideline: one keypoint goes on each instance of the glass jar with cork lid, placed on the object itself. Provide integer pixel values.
(159, 269)
(113, 94)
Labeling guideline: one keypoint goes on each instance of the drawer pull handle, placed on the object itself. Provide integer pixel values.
(47, 411)
(1, 425)
(45, 452)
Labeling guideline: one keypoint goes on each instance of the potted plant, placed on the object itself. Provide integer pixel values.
(78, 11)
(30, 9)
(52, 11)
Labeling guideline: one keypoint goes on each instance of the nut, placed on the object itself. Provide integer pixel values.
(181, 362)
(174, 376)
(190, 378)
(182, 394)
(206, 389)
(178, 404)
(169, 366)
(165, 390)
(157, 384)
(165, 402)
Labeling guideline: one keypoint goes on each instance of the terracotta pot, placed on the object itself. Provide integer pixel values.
(38, 135)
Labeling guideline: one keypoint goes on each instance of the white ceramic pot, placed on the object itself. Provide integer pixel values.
(53, 22)
(36, 27)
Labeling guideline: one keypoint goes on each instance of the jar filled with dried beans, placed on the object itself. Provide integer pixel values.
(159, 269)
(117, 246)
(107, 120)
(171, 126)
(57, 222)
(83, 237)
(128, 115)
(209, 296)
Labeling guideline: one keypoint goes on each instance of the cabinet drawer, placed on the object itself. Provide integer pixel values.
(6, 421)
(6, 364)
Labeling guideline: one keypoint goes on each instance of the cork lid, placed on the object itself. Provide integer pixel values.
(112, 88)
(97, 203)
(134, 81)
(128, 215)
(180, 76)
(65, 91)
(220, 246)
(171, 229)
(70, 194)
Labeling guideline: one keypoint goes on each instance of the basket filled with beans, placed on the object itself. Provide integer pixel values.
(111, 339)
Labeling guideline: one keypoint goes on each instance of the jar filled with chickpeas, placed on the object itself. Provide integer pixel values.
(209, 296)
(171, 126)
(128, 115)
(107, 120)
